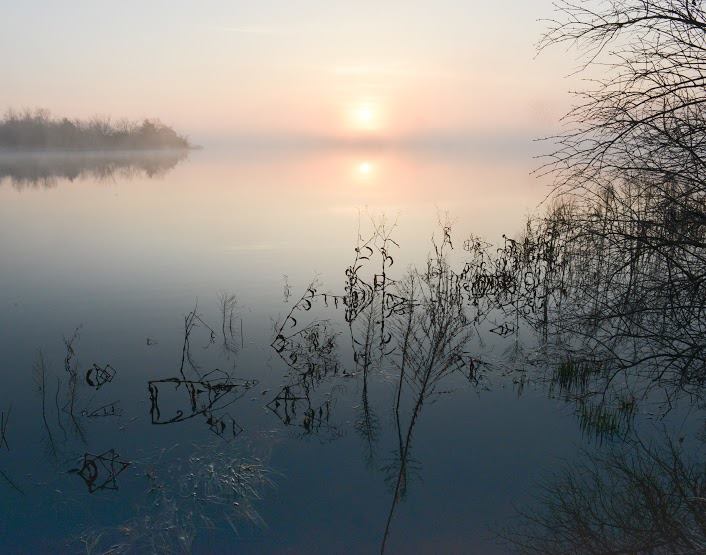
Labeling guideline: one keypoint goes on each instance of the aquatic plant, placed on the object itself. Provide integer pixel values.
(4, 420)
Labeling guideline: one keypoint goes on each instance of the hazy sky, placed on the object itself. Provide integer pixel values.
(382, 69)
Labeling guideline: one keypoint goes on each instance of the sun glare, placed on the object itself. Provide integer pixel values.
(365, 168)
(365, 116)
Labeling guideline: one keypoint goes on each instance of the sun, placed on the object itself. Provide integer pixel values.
(365, 168)
(365, 116)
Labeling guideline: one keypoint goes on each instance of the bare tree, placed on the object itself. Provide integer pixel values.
(613, 274)
(643, 119)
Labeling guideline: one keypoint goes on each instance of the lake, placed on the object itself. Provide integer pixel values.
(215, 352)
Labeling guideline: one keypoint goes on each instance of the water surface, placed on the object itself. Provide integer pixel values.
(204, 354)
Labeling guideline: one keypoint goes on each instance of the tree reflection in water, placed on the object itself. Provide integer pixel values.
(634, 497)
(26, 170)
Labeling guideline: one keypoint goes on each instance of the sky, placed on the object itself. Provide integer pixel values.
(369, 70)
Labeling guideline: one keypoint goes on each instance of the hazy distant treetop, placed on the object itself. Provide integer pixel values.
(37, 129)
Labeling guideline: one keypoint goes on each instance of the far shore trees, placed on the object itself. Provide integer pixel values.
(37, 129)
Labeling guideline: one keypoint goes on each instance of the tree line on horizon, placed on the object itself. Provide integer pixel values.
(37, 129)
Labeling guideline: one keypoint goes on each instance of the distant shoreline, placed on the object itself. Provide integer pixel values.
(94, 150)
(38, 131)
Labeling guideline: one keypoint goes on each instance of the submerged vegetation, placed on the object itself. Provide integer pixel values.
(37, 129)
(190, 494)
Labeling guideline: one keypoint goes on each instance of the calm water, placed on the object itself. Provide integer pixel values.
(274, 425)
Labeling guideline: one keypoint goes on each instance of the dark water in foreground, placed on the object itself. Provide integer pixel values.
(205, 355)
